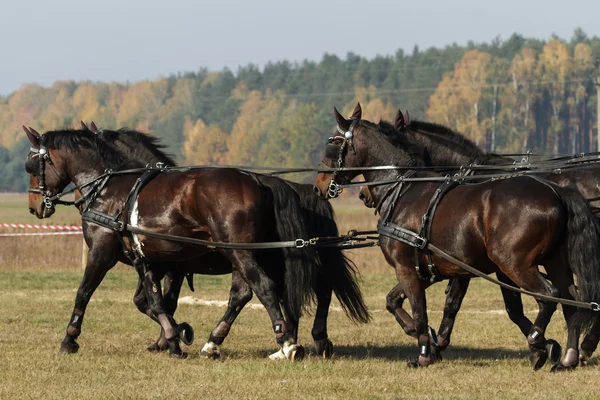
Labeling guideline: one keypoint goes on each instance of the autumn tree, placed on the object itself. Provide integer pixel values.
(204, 145)
(457, 101)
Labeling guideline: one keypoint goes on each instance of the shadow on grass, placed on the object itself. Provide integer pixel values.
(406, 352)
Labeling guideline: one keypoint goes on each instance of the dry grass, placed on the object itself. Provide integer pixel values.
(488, 358)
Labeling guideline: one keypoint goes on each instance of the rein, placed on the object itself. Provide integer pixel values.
(591, 306)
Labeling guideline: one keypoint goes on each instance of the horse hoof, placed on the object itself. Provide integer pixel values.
(157, 348)
(584, 357)
(69, 347)
(210, 356)
(412, 364)
(154, 348)
(278, 355)
(436, 352)
(538, 359)
(324, 348)
(554, 350)
(568, 362)
(186, 333)
(178, 355)
(297, 354)
(560, 367)
(210, 351)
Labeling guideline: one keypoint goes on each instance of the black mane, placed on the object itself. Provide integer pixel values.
(76, 140)
(455, 142)
(451, 138)
(139, 144)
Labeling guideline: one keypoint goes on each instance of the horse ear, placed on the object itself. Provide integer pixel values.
(33, 138)
(94, 128)
(399, 123)
(342, 122)
(406, 117)
(84, 126)
(357, 113)
(35, 132)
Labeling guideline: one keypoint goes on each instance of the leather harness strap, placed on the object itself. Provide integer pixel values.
(419, 241)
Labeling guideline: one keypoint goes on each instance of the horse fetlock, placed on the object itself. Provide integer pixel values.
(281, 331)
(536, 339)
(589, 345)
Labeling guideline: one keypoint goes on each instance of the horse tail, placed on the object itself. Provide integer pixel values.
(337, 271)
(583, 248)
(300, 266)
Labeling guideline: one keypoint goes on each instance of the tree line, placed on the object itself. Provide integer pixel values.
(507, 95)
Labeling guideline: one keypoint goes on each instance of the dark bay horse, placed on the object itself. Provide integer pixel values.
(222, 205)
(336, 272)
(475, 223)
(446, 147)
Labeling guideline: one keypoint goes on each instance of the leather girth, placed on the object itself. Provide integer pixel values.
(420, 241)
(115, 223)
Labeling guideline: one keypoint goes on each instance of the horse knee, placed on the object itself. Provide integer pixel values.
(394, 300)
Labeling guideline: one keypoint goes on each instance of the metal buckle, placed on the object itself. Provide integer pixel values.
(420, 242)
(334, 190)
(48, 202)
(594, 306)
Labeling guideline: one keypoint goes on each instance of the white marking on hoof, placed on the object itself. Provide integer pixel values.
(287, 352)
(210, 349)
(277, 356)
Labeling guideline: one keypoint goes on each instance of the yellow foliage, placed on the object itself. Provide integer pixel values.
(456, 101)
(203, 145)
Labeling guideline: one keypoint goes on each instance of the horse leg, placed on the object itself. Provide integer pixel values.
(455, 293)
(172, 288)
(393, 303)
(532, 280)
(563, 279)
(141, 302)
(265, 289)
(514, 305)
(239, 295)
(98, 264)
(173, 331)
(590, 343)
(414, 289)
(323, 345)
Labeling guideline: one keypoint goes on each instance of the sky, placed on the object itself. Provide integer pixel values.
(130, 40)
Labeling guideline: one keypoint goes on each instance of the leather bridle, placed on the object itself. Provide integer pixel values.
(41, 153)
(335, 154)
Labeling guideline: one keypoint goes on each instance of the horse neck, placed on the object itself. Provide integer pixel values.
(380, 152)
(441, 154)
(79, 172)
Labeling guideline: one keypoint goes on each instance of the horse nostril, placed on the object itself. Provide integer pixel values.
(316, 189)
(361, 196)
(31, 211)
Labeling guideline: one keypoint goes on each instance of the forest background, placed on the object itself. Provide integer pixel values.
(507, 96)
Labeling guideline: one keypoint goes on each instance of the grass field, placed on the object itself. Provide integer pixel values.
(39, 278)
